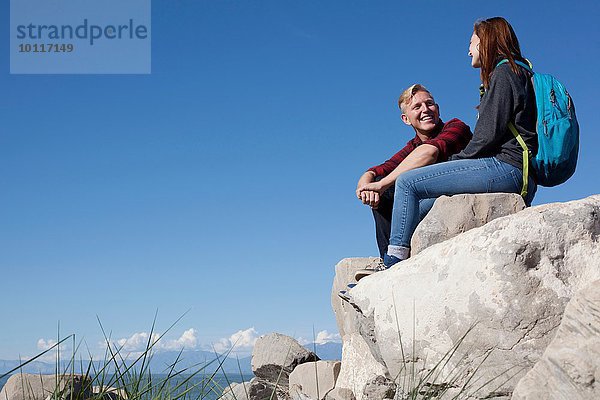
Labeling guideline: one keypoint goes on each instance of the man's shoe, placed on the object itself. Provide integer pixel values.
(388, 260)
(369, 270)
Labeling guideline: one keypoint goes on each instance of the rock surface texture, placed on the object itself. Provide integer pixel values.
(453, 215)
(275, 356)
(498, 292)
(570, 366)
(315, 379)
(39, 387)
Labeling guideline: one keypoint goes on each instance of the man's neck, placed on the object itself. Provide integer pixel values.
(424, 136)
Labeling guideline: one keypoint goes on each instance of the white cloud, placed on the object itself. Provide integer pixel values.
(326, 337)
(138, 342)
(241, 341)
(188, 340)
(322, 337)
(45, 344)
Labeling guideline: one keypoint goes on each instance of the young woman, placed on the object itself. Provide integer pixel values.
(492, 162)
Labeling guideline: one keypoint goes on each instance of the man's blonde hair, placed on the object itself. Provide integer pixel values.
(408, 94)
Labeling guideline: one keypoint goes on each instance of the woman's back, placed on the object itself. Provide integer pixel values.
(509, 98)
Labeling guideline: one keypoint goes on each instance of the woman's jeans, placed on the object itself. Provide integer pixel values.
(482, 175)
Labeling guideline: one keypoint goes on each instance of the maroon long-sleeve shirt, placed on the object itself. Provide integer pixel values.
(449, 138)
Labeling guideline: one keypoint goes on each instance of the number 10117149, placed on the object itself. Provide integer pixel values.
(45, 48)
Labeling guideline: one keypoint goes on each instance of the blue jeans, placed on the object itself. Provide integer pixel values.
(383, 218)
(482, 175)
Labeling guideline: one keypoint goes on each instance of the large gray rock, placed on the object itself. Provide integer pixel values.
(264, 390)
(255, 389)
(108, 393)
(379, 388)
(316, 378)
(236, 391)
(359, 365)
(456, 214)
(39, 387)
(296, 393)
(508, 282)
(340, 394)
(275, 356)
(570, 366)
(347, 318)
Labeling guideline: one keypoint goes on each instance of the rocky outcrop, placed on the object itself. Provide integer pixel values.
(570, 366)
(340, 394)
(453, 215)
(40, 387)
(315, 379)
(275, 356)
(255, 389)
(236, 391)
(348, 320)
(379, 388)
(492, 297)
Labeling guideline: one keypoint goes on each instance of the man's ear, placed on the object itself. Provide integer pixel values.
(405, 119)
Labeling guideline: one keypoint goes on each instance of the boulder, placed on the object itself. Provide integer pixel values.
(379, 388)
(263, 390)
(570, 366)
(340, 394)
(255, 389)
(39, 387)
(359, 366)
(236, 391)
(296, 393)
(453, 215)
(108, 393)
(489, 299)
(315, 379)
(275, 356)
(347, 318)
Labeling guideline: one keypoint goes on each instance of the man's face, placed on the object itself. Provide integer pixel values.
(422, 113)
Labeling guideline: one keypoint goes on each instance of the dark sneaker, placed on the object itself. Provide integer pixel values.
(369, 270)
(388, 260)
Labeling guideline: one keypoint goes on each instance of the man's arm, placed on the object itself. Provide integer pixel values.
(425, 154)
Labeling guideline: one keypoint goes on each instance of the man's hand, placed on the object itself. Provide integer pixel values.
(376, 187)
(366, 178)
(369, 198)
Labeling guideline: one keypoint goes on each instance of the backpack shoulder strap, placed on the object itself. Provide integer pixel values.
(528, 66)
(519, 138)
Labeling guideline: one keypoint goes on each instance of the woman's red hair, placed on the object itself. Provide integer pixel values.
(498, 41)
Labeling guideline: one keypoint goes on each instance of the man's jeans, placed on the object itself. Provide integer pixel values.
(383, 217)
(483, 175)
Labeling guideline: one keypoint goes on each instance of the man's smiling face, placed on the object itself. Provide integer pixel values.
(422, 113)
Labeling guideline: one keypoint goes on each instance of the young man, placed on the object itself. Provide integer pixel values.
(434, 141)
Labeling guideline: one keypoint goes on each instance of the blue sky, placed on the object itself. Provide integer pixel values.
(223, 182)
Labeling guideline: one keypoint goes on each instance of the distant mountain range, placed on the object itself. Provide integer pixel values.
(191, 360)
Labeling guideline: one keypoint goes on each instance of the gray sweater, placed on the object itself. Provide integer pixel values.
(510, 97)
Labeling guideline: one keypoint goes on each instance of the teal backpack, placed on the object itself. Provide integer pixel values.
(557, 132)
